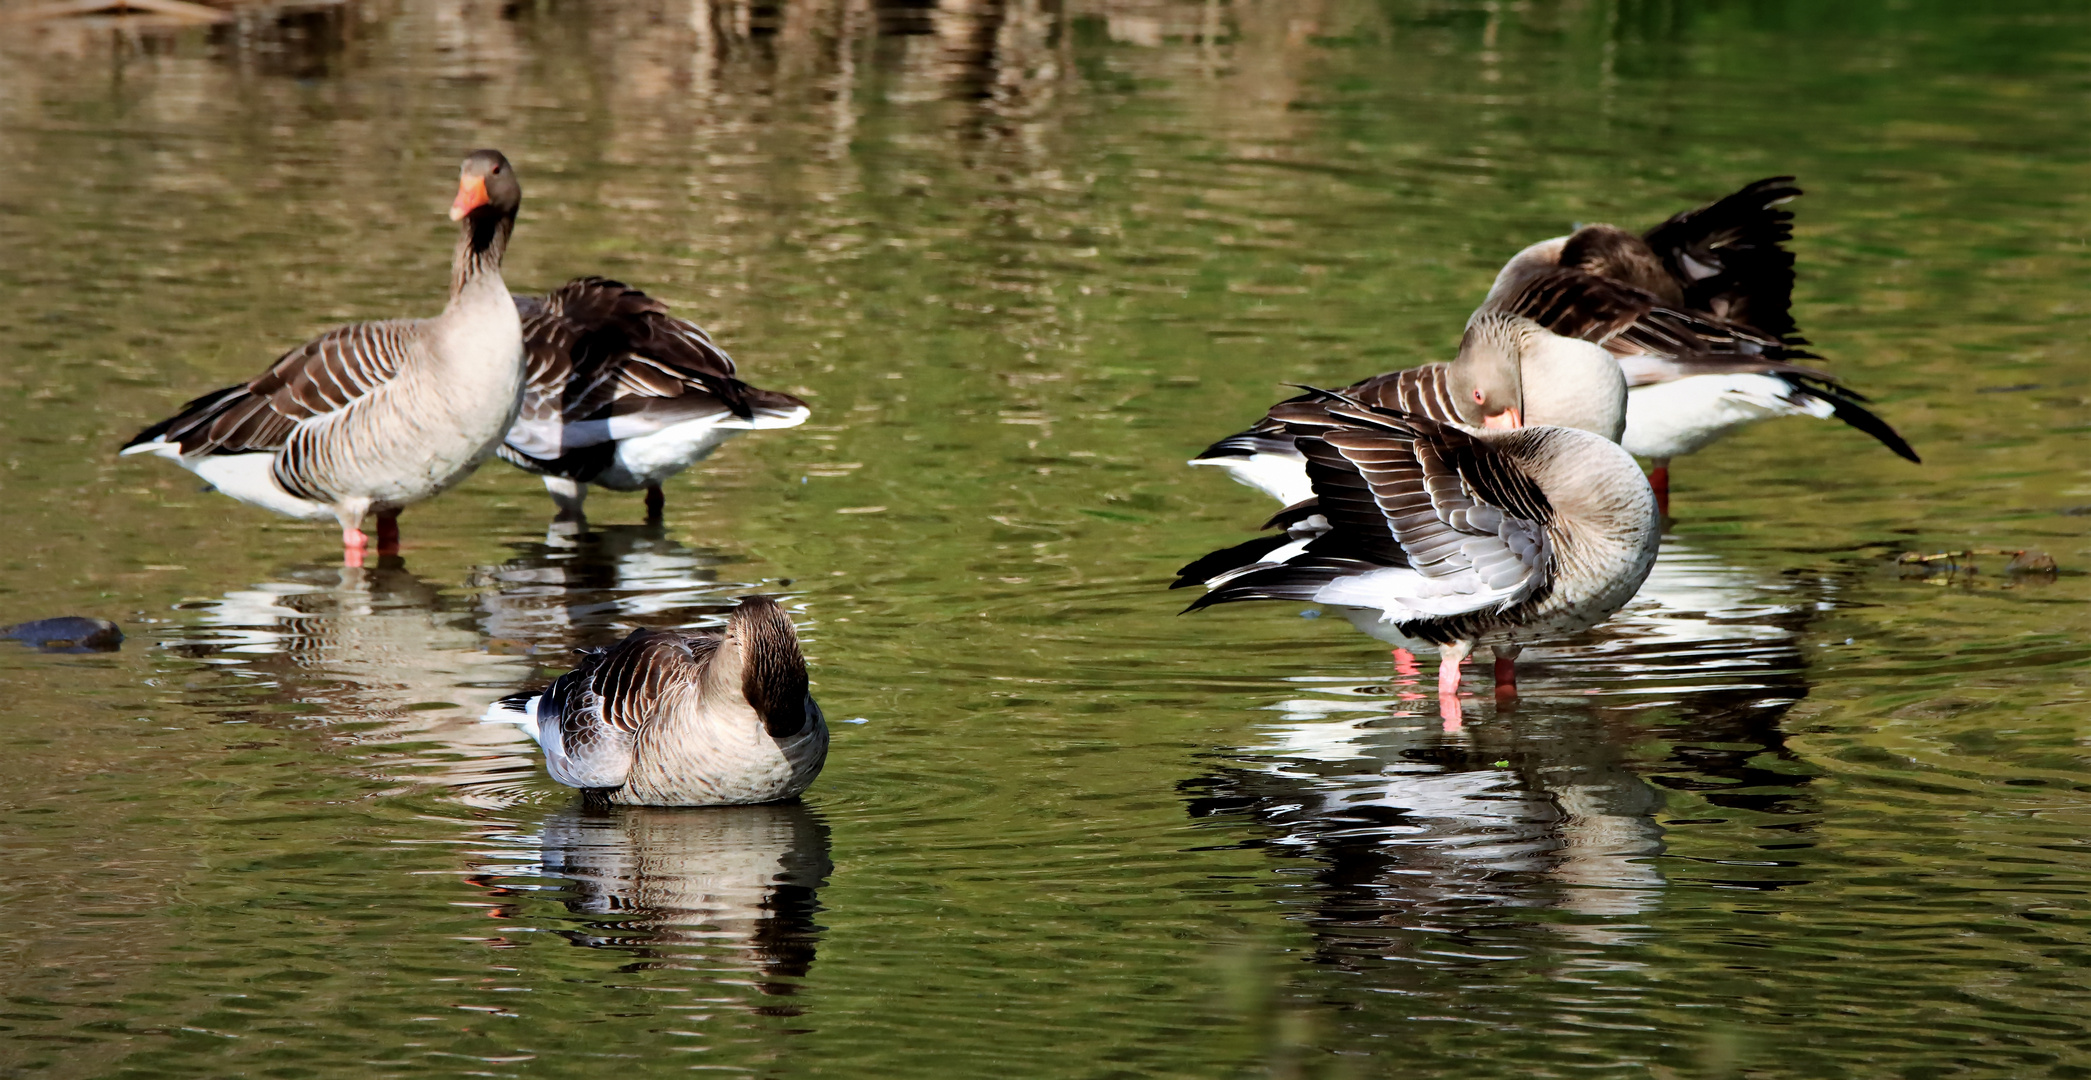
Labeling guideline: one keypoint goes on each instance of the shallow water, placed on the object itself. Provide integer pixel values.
(1798, 811)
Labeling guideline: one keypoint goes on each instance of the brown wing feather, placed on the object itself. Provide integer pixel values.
(1421, 391)
(322, 376)
(599, 348)
(1629, 322)
(640, 675)
(1730, 258)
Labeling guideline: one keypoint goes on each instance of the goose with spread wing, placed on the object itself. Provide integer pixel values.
(1426, 533)
(1724, 263)
(678, 718)
(376, 416)
(624, 395)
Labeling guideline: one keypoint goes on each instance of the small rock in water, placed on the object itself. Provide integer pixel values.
(67, 633)
(1310, 613)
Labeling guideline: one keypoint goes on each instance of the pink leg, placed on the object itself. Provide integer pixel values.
(1506, 673)
(1448, 683)
(1659, 480)
(388, 532)
(1405, 663)
(353, 545)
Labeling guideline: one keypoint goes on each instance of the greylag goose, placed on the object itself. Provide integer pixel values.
(375, 416)
(1725, 263)
(674, 718)
(1430, 533)
(1544, 353)
(623, 395)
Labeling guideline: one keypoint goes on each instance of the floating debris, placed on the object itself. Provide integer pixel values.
(2029, 564)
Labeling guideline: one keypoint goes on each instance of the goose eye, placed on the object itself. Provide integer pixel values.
(1479, 397)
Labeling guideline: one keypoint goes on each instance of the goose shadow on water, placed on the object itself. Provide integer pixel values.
(733, 891)
(1415, 842)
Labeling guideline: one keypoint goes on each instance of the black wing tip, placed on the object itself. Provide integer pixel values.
(518, 701)
(195, 409)
(1845, 405)
(1225, 448)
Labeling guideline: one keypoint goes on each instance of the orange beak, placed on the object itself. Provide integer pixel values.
(471, 195)
(1507, 420)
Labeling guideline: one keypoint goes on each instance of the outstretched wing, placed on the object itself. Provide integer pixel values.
(1731, 257)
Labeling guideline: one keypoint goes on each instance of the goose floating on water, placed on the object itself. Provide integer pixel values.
(376, 416)
(1426, 533)
(676, 718)
(623, 395)
(1725, 263)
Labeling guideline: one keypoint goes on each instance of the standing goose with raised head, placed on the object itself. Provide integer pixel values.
(1432, 534)
(376, 416)
(1726, 264)
(624, 395)
(675, 718)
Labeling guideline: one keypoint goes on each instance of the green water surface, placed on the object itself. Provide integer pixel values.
(1799, 811)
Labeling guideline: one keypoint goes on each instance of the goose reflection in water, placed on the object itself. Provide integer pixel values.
(729, 890)
(393, 653)
(592, 587)
(1415, 833)
(407, 660)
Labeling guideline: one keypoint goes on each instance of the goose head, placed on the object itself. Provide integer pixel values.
(1486, 381)
(772, 669)
(486, 188)
(1512, 373)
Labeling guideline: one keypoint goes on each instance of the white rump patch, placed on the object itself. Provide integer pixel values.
(1670, 419)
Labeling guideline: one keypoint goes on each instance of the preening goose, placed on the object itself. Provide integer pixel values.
(375, 416)
(623, 395)
(1724, 263)
(1429, 533)
(674, 718)
(1541, 352)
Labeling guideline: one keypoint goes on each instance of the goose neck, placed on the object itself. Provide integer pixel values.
(1573, 383)
(482, 241)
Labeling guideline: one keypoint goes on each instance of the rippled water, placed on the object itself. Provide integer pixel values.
(1799, 811)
